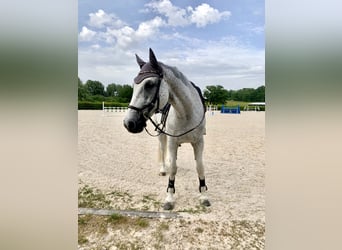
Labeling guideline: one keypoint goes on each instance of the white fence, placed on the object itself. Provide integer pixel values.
(255, 106)
(113, 109)
(212, 108)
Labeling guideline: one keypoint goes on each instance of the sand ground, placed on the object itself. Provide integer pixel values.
(117, 162)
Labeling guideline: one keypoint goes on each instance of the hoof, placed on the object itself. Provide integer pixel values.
(162, 173)
(168, 206)
(205, 203)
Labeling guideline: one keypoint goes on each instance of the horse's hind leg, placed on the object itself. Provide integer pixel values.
(198, 152)
(162, 154)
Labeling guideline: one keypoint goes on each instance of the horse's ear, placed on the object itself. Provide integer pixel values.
(153, 60)
(140, 61)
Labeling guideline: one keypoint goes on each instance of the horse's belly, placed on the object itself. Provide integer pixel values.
(191, 137)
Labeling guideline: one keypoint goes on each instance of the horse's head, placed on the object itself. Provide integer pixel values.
(150, 94)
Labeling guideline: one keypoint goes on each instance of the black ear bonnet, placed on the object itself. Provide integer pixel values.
(149, 69)
(146, 71)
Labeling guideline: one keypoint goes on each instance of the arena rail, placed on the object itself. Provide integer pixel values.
(113, 109)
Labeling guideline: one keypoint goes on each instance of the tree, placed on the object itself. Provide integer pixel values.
(248, 94)
(260, 94)
(112, 90)
(125, 92)
(94, 87)
(216, 94)
(245, 94)
(122, 92)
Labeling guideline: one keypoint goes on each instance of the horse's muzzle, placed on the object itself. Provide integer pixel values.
(135, 125)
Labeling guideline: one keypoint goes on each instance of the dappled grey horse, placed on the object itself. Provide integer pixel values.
(159, 88)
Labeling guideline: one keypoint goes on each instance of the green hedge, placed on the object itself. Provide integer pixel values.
(98, 105)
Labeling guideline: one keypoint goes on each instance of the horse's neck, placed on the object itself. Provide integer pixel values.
(180, 99)
(183, 97)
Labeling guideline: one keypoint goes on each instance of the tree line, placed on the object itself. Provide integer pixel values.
(216, 94)
(95, 91)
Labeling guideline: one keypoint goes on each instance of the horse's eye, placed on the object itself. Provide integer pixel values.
(149, 86)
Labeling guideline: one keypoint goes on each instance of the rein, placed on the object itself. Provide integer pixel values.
(165, 113)
(161, 131)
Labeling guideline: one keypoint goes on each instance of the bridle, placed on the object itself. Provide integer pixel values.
(164, 111)
(150, 105)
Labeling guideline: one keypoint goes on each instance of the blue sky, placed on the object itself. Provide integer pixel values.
(211, 42)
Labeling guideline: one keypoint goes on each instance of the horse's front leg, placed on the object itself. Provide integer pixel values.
(162, 154)
(172, 153)
(198, 152)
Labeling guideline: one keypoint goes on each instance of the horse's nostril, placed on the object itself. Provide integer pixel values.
(131, 125)
(134, 126)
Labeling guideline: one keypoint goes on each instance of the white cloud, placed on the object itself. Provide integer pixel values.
(149, 28)
(95, 46)
(107, 65)
(204, 14)
(110, 58)
(101, 19)
(123, 36)
(225, 62)
(113, 31)
(86, 34)
(126, 36)
(175, 15)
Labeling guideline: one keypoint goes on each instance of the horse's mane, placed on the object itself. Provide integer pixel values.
(173, 74)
